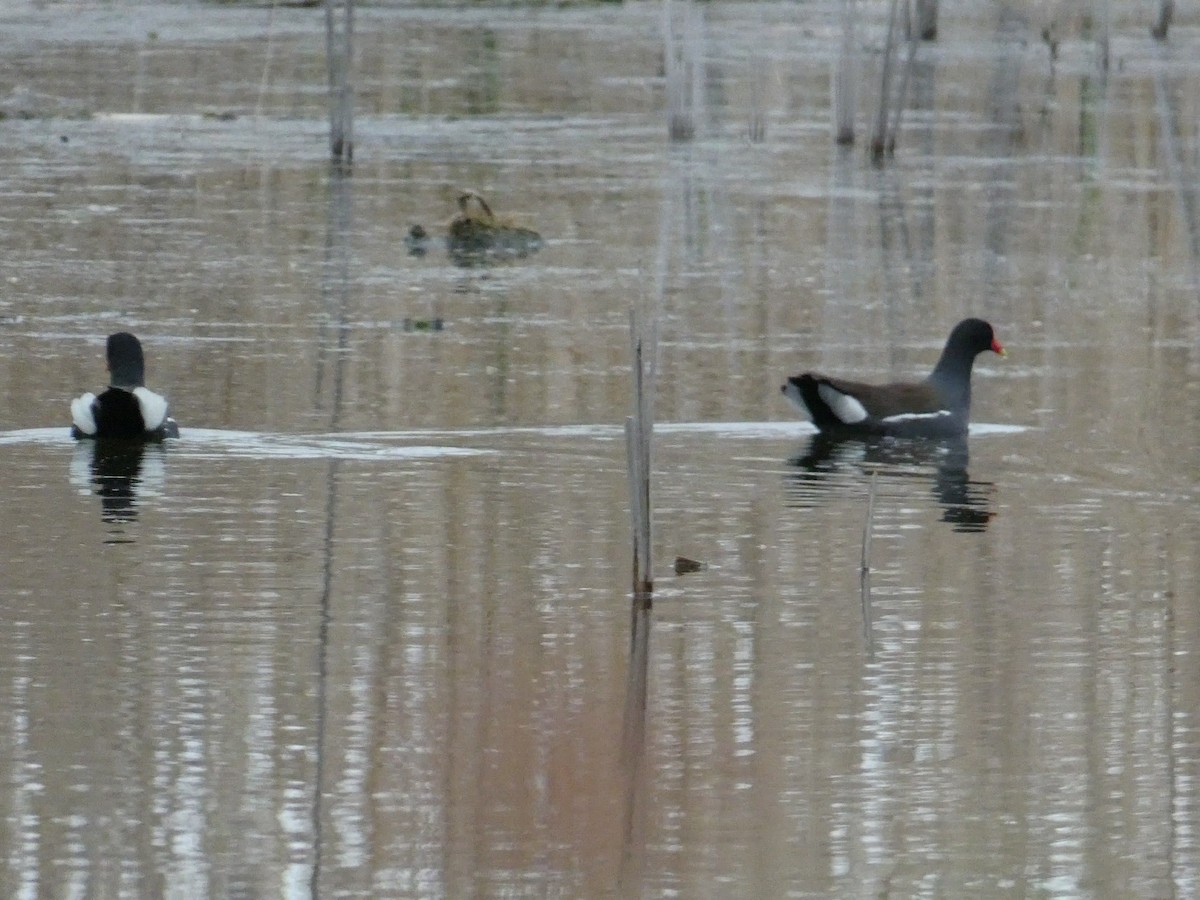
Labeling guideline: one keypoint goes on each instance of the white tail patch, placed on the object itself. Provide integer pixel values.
(153, 407)
(916, 417)
(846, 408)
(83, 413)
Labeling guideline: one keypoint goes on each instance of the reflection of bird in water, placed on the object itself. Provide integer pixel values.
(127, 409)
(119, 473)
(965, 504)
(939, 406)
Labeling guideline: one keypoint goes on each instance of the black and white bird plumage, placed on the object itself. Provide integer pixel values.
(126, 409)
(939, 406)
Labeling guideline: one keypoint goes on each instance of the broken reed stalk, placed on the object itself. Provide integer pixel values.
(845, 78)
(1166, 11)
(1103, 39)
(639, 429)
(879, 134)
(865, 570)
(901, 95)
(927, 20)
(757, 128)
(681, 57)
(268, 55)
(1169, 127)
(339, 54)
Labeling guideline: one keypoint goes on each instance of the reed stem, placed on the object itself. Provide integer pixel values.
(845, 78)
(339, 52)
(639, 430)
(880, 133)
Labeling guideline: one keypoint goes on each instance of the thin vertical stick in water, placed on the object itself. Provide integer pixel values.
(865, 570)
(339, 52)
(1166, 12)
(633, 464)
(1102, 37)
(879, 134)
(901, 95)
(638, 430)
(757, 128)
(927, 20)
(845, 78)
(268, 55)
(1173, 159)
(682, 69)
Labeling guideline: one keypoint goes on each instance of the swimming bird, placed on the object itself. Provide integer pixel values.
(939, 406)
(477, 229)
(127, 409)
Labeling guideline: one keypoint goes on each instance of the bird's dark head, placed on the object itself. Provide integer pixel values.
(126, 364)
(973, 336)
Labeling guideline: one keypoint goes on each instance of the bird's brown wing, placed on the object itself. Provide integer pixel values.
(883, 400)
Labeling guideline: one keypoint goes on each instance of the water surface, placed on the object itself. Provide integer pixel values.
(365, 629)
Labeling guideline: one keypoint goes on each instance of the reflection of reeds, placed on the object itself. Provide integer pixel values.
(1174, 162)
(335, 288)
(757, 129)
(682, 68)
(865, 569)
(1166, 11)
(926, 24)
(845, 77)
(880, 134)
(633, 751)
(339, 51)
(887, 120)
(1103, 40)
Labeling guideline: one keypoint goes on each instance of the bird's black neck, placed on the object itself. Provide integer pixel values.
(952, 379)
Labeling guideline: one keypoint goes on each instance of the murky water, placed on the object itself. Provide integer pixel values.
(365, 629)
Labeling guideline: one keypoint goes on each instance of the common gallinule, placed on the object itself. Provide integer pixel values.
(127, 409)
(939, 406)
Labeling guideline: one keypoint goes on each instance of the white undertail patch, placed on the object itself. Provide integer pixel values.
(153, 407)
(916, 417)
(83, 413)
(846, 408)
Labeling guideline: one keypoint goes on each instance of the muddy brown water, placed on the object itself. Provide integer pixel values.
(365, 629)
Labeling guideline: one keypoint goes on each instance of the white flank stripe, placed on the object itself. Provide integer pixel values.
(153, 407)
(82, 413)
(846, 408)
(913, 417)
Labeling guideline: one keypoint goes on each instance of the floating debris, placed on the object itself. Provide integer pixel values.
(476, 234)
(684, 566)
(477, 230)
